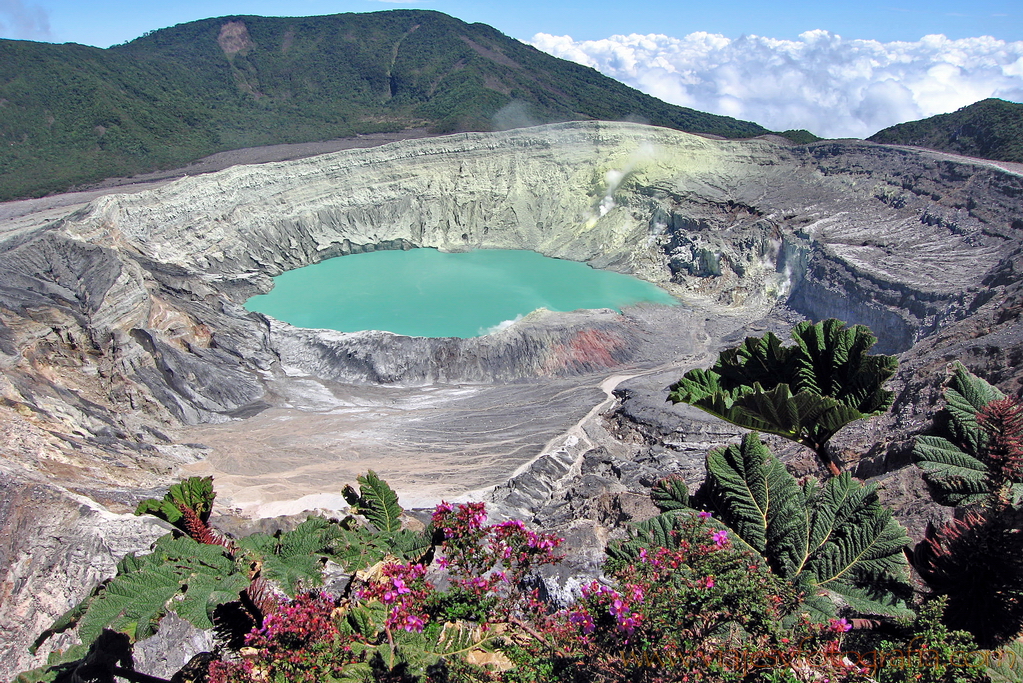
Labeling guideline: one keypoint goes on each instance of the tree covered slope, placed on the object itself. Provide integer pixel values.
(990, 129)
(73, 114)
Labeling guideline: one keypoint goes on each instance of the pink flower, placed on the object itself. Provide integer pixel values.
(707, 582)
(704, 515)
(413, 622)
(629, 623)
(596, 588)
(583, 620)
(840, 625)
(720, 538)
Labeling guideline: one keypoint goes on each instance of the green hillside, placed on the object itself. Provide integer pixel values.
(990, 129)
(71, 114)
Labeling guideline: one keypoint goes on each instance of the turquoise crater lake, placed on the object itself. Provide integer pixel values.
(428, 293)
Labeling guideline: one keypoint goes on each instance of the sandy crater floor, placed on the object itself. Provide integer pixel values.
(433, 442)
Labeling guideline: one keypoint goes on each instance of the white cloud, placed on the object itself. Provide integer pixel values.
(23, 22)
(821, 82)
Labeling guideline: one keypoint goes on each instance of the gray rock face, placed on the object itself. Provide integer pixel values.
(124, 320)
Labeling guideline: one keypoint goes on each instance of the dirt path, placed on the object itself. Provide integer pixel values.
(575, 439)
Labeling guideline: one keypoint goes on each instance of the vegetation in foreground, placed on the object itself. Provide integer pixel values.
(757, 577)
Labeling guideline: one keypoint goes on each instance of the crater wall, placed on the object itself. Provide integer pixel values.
(124, 319)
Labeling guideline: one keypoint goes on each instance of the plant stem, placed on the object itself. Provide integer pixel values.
(824, 456)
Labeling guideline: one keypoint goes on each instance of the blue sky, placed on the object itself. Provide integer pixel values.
(106, 22)
(839, 70)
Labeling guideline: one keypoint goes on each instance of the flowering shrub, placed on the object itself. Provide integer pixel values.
(397, 617)
(402, 588)
(699, 611)
(487, 564)
(702, 612)
(301, 642)
(923, 650)
(454, 606)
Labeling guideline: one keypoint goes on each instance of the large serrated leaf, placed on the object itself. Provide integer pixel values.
(867, 549)
(874, 603)
(409, 545)
(1005, 665)
(178, 575)
(670, 493)
(804, 417)
(195, 493)
(367, 619)
(757, 498)
(956, 477)
(805, 393)
(206, 592)
(58, 663)
(834, 538)
(294, 559)
(376, 501)
(950, 458)
(966, 395)
(740, 491)
(67, 620)
(131, 604)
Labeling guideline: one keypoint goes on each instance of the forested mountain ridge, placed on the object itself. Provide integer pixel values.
(989, 129)
(72, 114)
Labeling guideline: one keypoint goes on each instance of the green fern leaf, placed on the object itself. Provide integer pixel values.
(874, 603)
(756, 497)
(195, 493)
(367, 619)
(53, 670)
(965, 396)
(657, 532)
(131, 604)
(956, 477)
(834, 537)
(670, 493)
(660, 532)
(294, 559)
(804, 417)
(178, 573)
(409, 545)
(758, 360)
(376, 501)
(805, 393)
(864, 551)
(356, 549)
(67, 620)
(206, 592)
(950, 458)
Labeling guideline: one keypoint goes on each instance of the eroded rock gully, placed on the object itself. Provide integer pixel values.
(128, 359)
